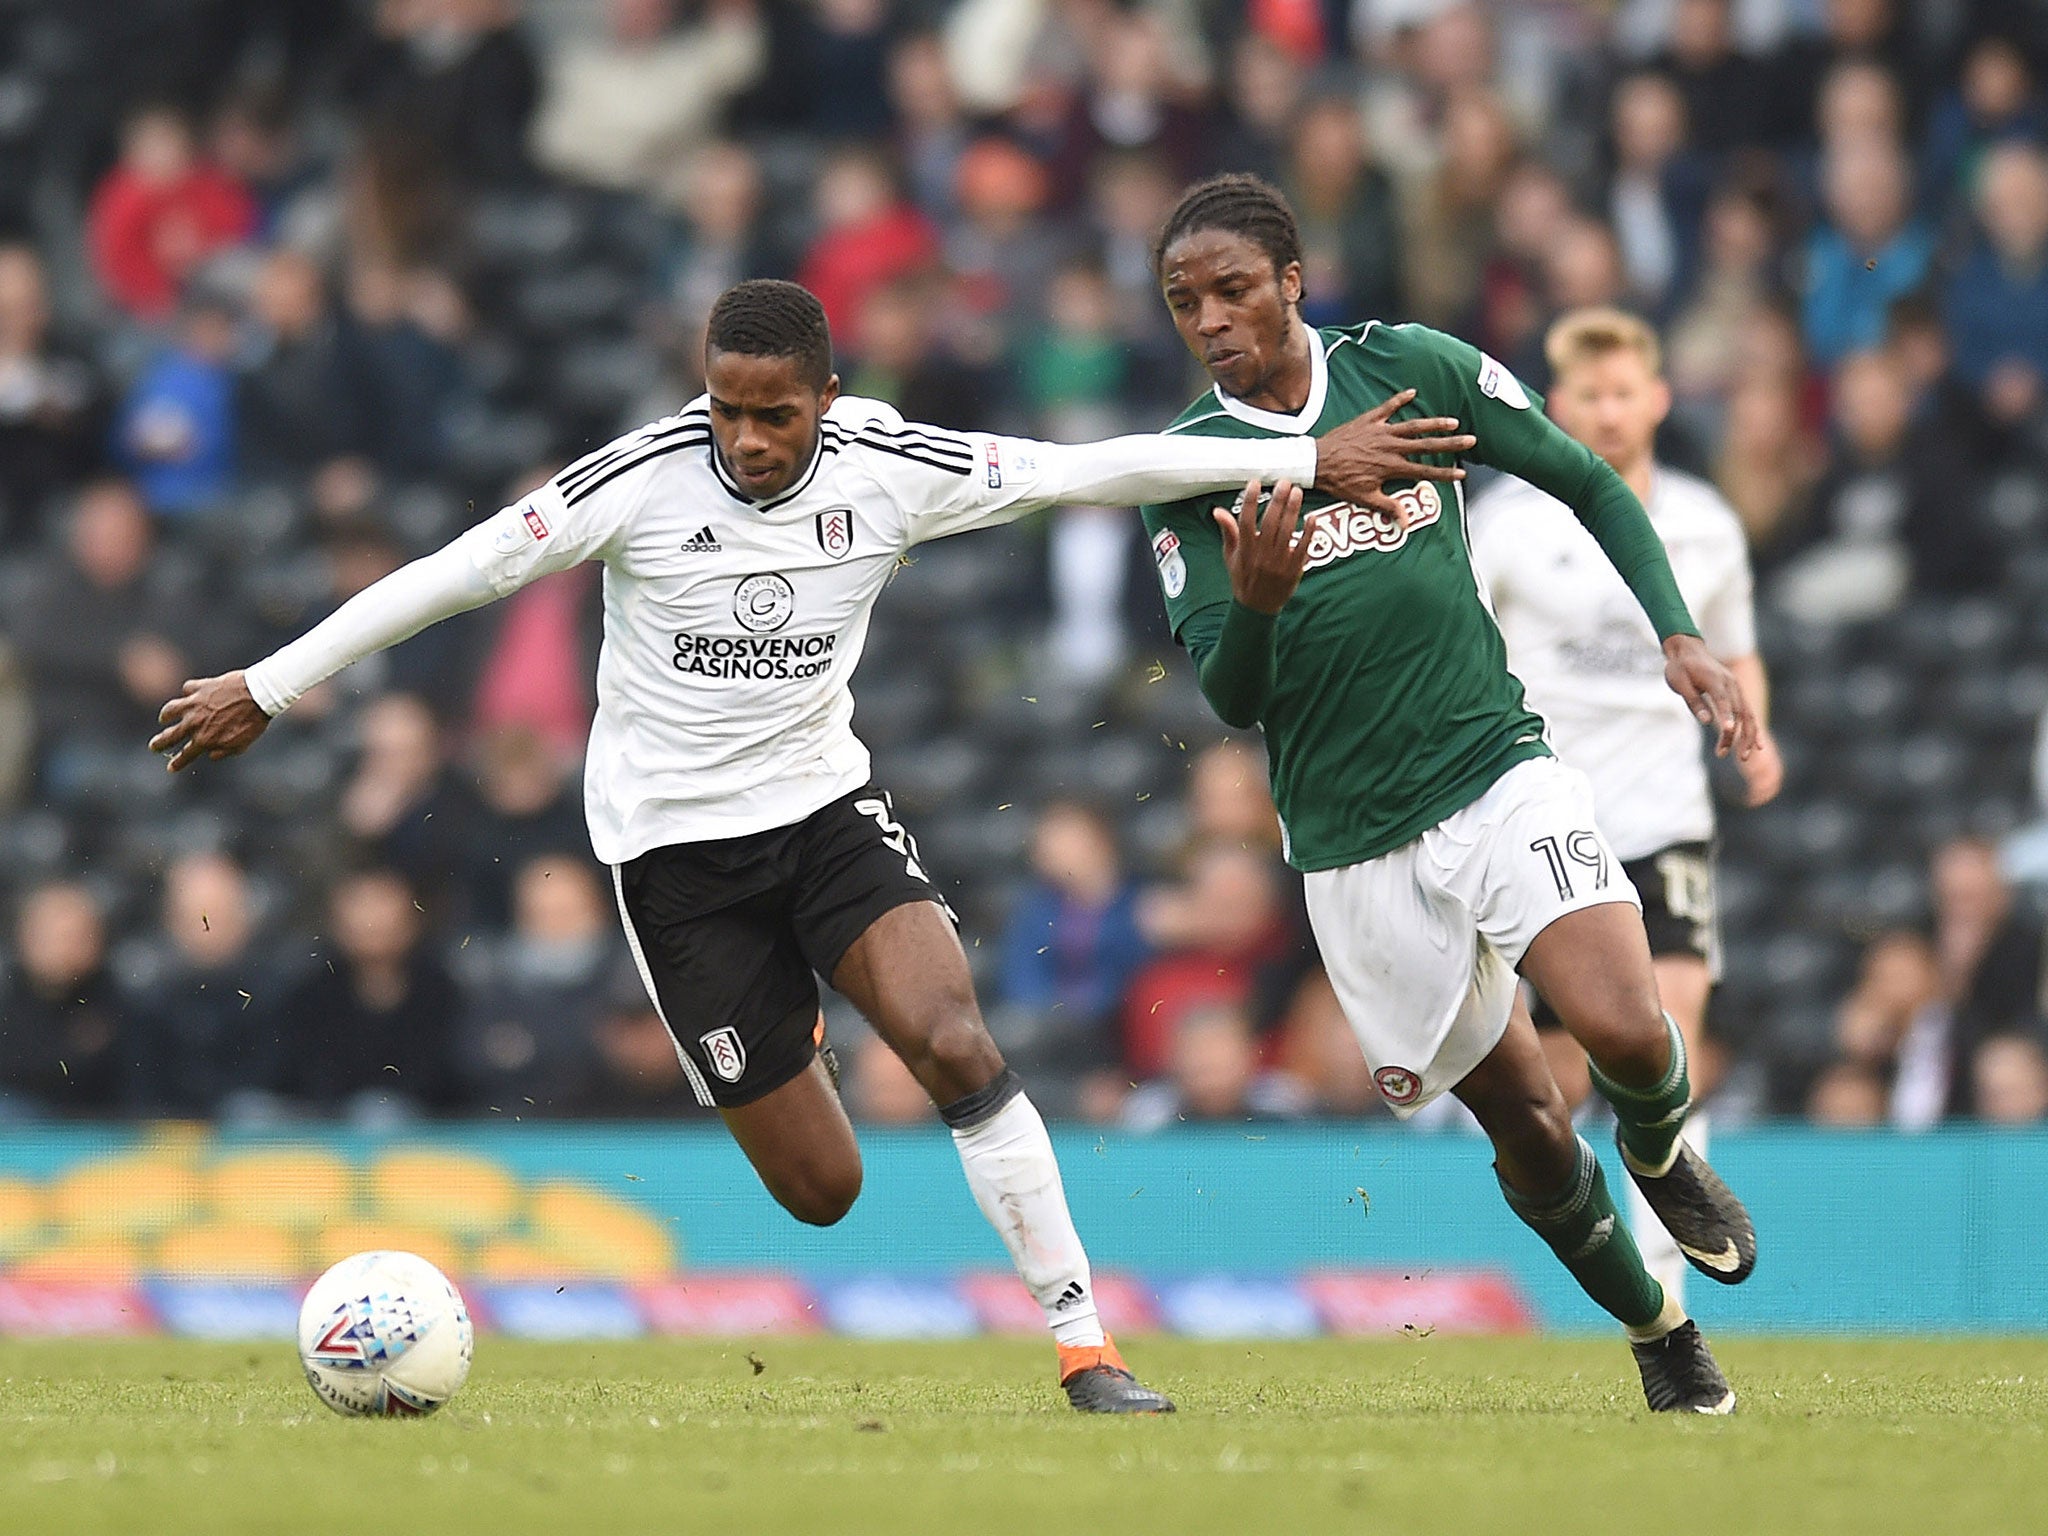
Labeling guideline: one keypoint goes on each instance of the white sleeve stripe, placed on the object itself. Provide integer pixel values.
(914, 441)
(927, 457)
(924, 436)
(696, 439)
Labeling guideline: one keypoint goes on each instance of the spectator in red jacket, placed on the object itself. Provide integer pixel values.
(159, 213)
(869, 236)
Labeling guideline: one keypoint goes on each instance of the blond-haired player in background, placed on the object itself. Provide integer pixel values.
(1593, 670)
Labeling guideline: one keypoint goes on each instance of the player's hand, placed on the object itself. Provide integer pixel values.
(1713, 695)
(212, 717)
(1763, 771)
(1355, 460)
(1266, 555)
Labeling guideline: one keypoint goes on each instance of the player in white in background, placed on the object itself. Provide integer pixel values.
(1591, 667)
(745, 540)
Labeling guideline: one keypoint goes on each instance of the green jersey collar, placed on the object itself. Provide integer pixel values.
(1298, 422)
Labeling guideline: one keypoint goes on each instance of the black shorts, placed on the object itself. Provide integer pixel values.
(731, 935)
(1679, 912)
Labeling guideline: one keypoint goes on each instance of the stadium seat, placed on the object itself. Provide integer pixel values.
(526, 231)
(492, 446)
(891, 709)
(1981, 633)
(459, 1193)
(104, 1259)
(2015, 507)
(599, 1235)
(941, 772)
(141, 1194)
(602, 379)
(576, 302)
(233, 1250)
(515, 1259)
(293, 1187)
(332, 1244)
(24, 1214)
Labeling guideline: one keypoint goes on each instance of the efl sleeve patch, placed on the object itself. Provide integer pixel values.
(1496, 383)
(1173, 566)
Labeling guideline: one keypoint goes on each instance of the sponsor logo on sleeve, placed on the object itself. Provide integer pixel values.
(725, 1053)
(1496, 383)
(535, 523)
(992, 459)
(1173, 566)
(835, 532)
(763, 603)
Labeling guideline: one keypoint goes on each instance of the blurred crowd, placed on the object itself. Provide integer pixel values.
(292, 290)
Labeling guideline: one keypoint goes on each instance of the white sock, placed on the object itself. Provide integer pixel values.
(1660, 1253)
(1016, 1182)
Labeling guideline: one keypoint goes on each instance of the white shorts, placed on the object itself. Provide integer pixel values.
(1421, 944)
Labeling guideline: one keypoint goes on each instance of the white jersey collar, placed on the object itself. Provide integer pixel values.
(1296, 422)
(796, 487)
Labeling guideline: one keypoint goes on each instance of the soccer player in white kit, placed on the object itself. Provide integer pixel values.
(745, 540)
(1591, 667)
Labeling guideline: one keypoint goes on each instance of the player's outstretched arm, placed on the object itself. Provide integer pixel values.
(1350, 462)
(222, 716)
(1009, 477)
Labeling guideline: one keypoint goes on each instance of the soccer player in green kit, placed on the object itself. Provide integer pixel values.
(1443, 848)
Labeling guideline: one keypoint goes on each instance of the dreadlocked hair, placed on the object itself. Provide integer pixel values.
(765, 317)
(1240, 205)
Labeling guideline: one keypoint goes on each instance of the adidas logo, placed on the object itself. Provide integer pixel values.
(1072, 1296)
(702, 542)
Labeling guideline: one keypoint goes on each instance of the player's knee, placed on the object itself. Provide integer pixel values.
(955, 1050)
(1623, 1030)
(820, 1197)
(1534, 1137)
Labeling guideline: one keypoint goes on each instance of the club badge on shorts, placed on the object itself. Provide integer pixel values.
(1397, 1084)
(723, 1050)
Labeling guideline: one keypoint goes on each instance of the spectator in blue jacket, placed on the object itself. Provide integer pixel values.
(1996, 100)
(1073, 943)
(175, 434)
(1997, 303)
(1868, 253)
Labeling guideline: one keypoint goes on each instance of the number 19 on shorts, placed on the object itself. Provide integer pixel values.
(1581, 852)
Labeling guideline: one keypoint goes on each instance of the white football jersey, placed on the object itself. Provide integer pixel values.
(732, 627)
(1589, 659)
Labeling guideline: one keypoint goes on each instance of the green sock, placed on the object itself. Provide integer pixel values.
(1587, 1233)
(1651, 1118)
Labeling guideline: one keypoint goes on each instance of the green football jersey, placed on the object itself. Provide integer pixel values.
(1392, 704)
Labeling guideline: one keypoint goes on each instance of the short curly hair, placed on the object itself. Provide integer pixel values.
(765, 317)
(1241, 205)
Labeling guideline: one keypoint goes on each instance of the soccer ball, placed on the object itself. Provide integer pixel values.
(385, 1333)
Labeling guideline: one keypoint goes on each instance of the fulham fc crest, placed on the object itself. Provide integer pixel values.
(835, 532)
(727, 1056)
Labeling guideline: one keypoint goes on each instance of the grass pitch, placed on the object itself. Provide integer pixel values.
(1405, 1436)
